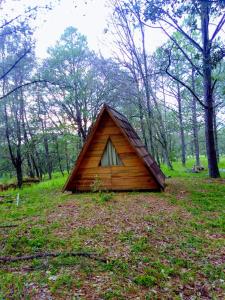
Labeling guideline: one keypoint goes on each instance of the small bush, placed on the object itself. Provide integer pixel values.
(96, 185)
(104, 197)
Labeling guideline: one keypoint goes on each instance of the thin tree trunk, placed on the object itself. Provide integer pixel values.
(167, 159)
(152, 149)
(141, 113)
(16, 159)
(181, 125)
(42, 121)
(142, 122)
(215, 134)
(33, 152)
(208, 97)
(162, 132)
(195, 123)
(30, 167)
(19, 173)
(80, 129)
(47, 155)
(67, 158)
(140, 108)
(38, 174)
(58, 156)
(157, 157)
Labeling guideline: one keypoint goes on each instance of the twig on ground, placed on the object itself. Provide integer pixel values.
(8, 226)
(5, 259)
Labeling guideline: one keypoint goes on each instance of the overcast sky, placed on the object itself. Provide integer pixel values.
(90, 17)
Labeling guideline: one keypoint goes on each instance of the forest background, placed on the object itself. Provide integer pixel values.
(173, 97)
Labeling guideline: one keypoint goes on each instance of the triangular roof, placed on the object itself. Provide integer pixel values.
(133, 139)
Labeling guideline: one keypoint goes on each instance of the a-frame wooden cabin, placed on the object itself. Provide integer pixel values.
(114, 158)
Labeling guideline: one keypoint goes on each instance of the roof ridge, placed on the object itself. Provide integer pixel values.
(112, 108)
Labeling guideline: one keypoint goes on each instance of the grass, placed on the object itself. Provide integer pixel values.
(159, 245)
(181, 171)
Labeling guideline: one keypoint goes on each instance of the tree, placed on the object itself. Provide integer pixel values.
(68, 64)
(132, 45)
(14, 27)
(83, 81)
(14, 106)
(168, 14)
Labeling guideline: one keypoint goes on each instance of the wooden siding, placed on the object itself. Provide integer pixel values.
(132, 176)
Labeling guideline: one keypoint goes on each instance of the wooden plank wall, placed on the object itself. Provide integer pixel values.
(133, 175)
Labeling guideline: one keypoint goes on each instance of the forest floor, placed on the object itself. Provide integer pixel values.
(168, 245)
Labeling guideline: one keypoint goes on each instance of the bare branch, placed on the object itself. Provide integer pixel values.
(218, 28)
(183, 83)
(28, 11)
(15, 63)
(183, 52)
(214, 84)
(178, 28)
(5, 259)
(35, 82)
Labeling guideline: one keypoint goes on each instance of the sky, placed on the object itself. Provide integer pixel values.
(90, 17)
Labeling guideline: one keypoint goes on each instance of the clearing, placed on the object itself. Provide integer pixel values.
(167, 245)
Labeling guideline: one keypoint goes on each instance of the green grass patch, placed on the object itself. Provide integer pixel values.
(157, 244)
(145, 280)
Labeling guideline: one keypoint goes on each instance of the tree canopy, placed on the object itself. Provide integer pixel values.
(174, 97)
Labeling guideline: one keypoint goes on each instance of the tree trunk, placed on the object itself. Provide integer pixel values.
(167, 159)
(16, 159)
(195, 124)
(140, 101)
(19, 173)
(164, 133)
(215, 134)
(157, 157)
(208, 96)
(48, 160)
(38, 174)
(152, 148)
(142, 121)
(144, 72)
(181, 125)
(30, 167)
(67, 158)
(58, 156)
(80, 130)
(33, 152)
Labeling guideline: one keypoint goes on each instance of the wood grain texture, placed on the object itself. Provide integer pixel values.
(133, 175)
(137, 162)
